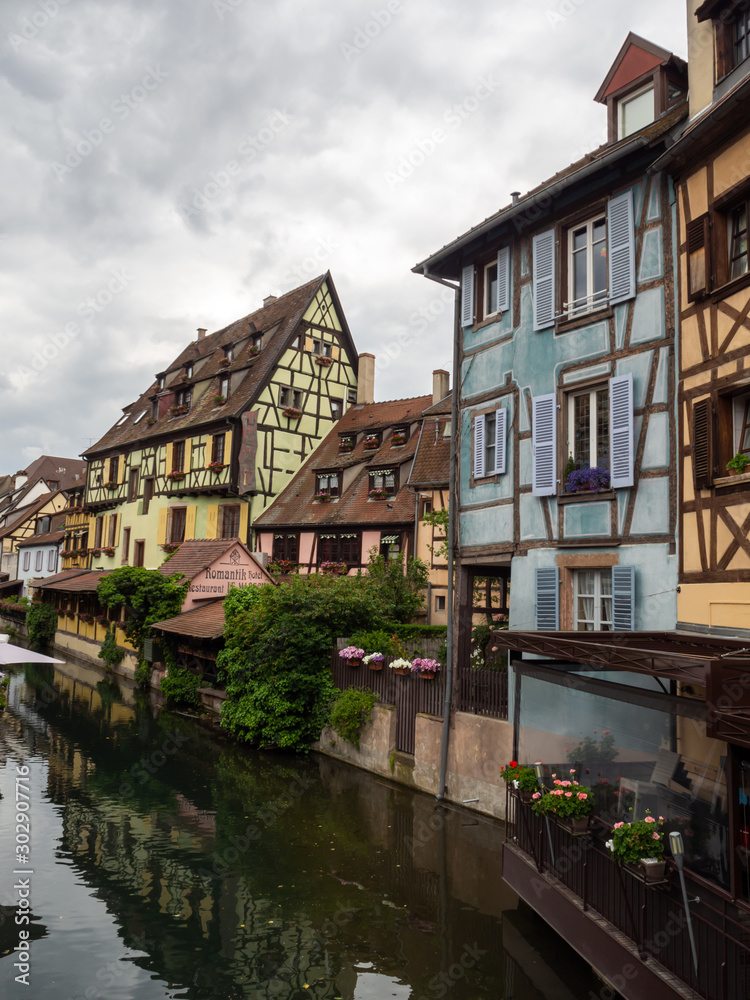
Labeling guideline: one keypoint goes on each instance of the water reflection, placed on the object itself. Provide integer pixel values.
(169, 863)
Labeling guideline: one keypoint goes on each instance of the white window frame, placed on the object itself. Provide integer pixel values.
(490, 275)
(593, 300)
(38, 561)
(623, 102)
(26, 560)
(599, 622)
(591, 392)
(52, 560)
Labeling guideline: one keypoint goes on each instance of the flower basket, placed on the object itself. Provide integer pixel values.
(150, 421)
(184, 378)
(334, 568)
(401, 666)
(398, 439)
(641, 840)
(170, 547)
(175, 476)
(253, 351)
(352, 654)
(178, 411)
(566, 800)
(224, 363)
(111, 486)
(322, 497)
(292, 413)
(648, 870)
(95, 552)
(371, 442)
(593, 480)
(346, 444)
(377, 494)
(324, 362)
(109, 551)
(216, 468)
(374, 661)
(282, 566)
(219, 400)
(425, 667)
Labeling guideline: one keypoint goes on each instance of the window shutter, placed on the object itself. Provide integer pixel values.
(161, 530)
(188, 455)
(623, 598)
(544, 445)
(501, 429)
(244, 521)
(168, 457)
(547, 599)
(190, 515)
(467, 296)
(621, 246)
(702, 451)
(543, 257)
(503, 280)
(621, 430)
(212, 520)
(479, 447)
(698, 246)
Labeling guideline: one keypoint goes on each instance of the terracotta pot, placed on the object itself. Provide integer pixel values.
(354, 663)
(375, 666)
(426, 675)
(401, 671)
(575, 824)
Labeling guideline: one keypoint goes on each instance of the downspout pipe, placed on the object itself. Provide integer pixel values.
(451, 530)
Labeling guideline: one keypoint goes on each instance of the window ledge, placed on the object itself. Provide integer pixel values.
(730, 287)
(724, 481)
(585, 319)
(586, 496)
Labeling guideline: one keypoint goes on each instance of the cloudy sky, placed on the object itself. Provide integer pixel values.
(166, 164)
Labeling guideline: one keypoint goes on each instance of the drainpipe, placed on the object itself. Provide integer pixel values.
(451, 530)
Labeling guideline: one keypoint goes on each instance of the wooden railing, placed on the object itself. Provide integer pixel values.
(653, 918)
(483, 692)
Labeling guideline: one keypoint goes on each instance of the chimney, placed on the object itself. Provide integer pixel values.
(268, 300)
(440, 385)
(515, 196)
(366, 379)
(201, 333)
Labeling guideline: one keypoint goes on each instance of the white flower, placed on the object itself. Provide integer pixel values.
(610, 844)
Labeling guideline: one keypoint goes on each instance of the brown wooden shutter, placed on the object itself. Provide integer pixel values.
(699, 266)
(702, 450)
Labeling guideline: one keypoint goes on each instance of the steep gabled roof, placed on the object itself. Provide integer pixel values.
(21, 515)
(277, 322)
(636, 57)
(295, 506)
(197, 554)
(204, 622)
(431, 468)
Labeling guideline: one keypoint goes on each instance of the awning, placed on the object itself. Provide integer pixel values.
(204, 622)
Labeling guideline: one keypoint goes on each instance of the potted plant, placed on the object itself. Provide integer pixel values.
(170, 547)
(323, 361)
(219, 400)
(184, 378)
(399, 437)
(738, 464)
(322, 497)
(371, 441)
(111, 485)
(374, 661)
(175, 475)
(352, 654)
(177, 411)
(379, 493)
(346, 444)
(522, 777)
(150, 421)
(216, 467)
(109, 550)
(401, 666)
(593, 480)
(282, 566)
(224, 363)
(95, 552)
(425, 667)
(334, 568)
(292, 412)
(640, 846)
(568, 801)
(254, 350)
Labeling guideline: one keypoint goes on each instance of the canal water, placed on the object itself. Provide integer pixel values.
(164, 861)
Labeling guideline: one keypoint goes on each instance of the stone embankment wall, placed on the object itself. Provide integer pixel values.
(477, 749)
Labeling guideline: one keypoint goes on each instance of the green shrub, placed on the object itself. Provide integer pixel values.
(110, 652)
(379, 641)
(142, 675)
(180, 686)
(42, 624)
(350, 712)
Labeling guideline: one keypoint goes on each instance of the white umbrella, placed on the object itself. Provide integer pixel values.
(17, 654)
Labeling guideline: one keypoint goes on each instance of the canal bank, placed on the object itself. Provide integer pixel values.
(191, 866)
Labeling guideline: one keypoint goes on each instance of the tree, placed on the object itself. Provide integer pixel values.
(146, 595)
(403, 589)
(42, 624)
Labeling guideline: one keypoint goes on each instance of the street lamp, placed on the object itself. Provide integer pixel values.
(678, 853)
(539, 772)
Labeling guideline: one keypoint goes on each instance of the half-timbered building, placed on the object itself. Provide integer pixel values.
(222, 430)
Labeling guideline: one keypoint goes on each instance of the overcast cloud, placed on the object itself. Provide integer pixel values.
(166, 164)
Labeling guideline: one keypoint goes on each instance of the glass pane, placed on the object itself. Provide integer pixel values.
(491, 277)
(586, 582)
(600, 269)
(738, 242)
(605, 582)
(636, 113)
(581, 432)
(602, 428)
(579, 239)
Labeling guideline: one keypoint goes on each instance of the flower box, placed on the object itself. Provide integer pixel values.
(225, 363)
(109, 551)
(170, 547)
(370, 443)
(111, 486)
(150, 421)
(322, 497)
(175, 476)
(346, 444)
(352, 654)
(292, 413)
(253, 351)
(178, 411)
(639, 841)
(324, 362)
(95, 552)
(184, 378)
(334, 568)
(219, 400)
(565, 801)
(648, 870)
(378, 494)
(425, 667)
(374, 661)
(398, 439)
(401, 666)
(216, 468)
(593, 480)
(282, 566)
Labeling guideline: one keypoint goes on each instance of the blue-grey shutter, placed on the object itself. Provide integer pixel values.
(503, 280)
(623, 598)
(621, 247)
(547, 599)
(544, 445)
(621, 430)
(543, 258)
(479, 447)
(501, 430)
(467, 296)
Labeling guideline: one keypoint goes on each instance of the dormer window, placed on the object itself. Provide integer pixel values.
(160, 380)
(372, 441)
(347, 442)
(400, 436)
(189, 369)
(635, 111)
(383, 484)
(229, 352)
(327, 486)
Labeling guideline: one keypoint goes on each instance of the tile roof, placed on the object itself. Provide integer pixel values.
(73, 581)
(431, 466)
(63, 471)
(276, 321)
(197, 554)
(55, 534)
(295, 505)
(204, 622)
(20, 515)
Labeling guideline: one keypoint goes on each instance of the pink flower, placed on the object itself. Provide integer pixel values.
(554, 775)
(582, 796)
(557, 781)
(566, 784)
(572, 770)
(568, 794)
(606, 731)
(650, 819)
(536, 795)
(655, 836)
(618, 825)
(661, 819)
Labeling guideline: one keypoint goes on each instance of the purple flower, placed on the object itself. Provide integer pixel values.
(595, 479)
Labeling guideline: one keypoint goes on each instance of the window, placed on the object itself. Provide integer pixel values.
(587, 267)
(400, 436)
(43, 525)
(351, 395)
(176, 519)
(52, 561)
(114, 468)
(588, 428)
(229, 352)
(439, 602)
(160, 380)
(112, 533)
(133, 484)
(635, 111)
(38, 560)
(323, 349)
(125, 544)
(592, 600)
(189, 369)
(425, 506)
(139, 547)
(341, 548)
(224, 387)
(154, 409)
(286, 546)
(390, 547)
(98, 529)
(372, 440)
(183, 397)
(741, 37)
(178, 456)
(737, 239)
(290, 397)
(490, 431)
(718, 437)
(741, 425)
(148, 493)
(230, 521)
(217, 448)
(383, 483)
(336, 408)
(490, 289)
(26, 559)
(328, 484)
